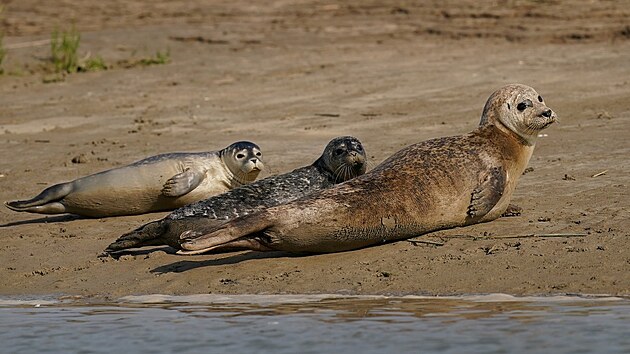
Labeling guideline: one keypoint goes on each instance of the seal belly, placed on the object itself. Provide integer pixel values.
(122, 191)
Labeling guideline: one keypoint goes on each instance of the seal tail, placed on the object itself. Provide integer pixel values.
(146, 235)
(229, 232)
(45, 202)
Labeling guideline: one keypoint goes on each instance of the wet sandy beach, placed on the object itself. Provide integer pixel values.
(291, 75)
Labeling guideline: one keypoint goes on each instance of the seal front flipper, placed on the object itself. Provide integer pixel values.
(252, 244)
(46, 202)
(248, 225)
(189, 235)
(488, 193)
(512, 210)
(183, 183)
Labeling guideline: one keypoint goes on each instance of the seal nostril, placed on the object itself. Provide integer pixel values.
(547, 113)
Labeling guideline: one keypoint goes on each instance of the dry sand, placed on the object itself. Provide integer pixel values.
(290, 75)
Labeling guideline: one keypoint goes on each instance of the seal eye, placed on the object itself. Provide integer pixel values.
(258, 154)
(338, 151)
(540, 99)
(521, 106)
(359, 148)
(240, 156)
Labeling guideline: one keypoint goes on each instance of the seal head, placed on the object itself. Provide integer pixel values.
(344, 158)
(519, 109)
(244, 160)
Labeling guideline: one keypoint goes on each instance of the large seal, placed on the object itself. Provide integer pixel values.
(158, 183)
(343, 158)
(432, 185)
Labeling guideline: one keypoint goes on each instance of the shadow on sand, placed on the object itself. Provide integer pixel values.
(137, 252)
(182, 266)
(45, 220)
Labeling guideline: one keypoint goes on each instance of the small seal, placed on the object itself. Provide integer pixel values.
(343, 158)
(432, 185)
(157, 183)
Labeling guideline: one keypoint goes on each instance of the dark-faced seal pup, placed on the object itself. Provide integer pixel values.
(343, 158)
(432, 185)
(157, 183)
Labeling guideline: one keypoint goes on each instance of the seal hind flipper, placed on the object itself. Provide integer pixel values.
(183, 183)
(46, 202)
(48, 208)
(487, 194)
(147, 235)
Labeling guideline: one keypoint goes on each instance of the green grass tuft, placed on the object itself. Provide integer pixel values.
(64, 47)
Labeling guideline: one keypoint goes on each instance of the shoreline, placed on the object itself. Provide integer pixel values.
(285, 299)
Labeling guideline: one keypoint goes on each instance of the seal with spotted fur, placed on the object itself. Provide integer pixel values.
(432, 185)
(343, 158)
(157, 183)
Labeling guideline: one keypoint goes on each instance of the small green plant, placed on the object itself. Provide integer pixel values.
(160, 58)
(63, 47)
(93, 64)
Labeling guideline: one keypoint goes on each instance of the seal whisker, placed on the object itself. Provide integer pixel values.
(349, 174)
(241, 177)
(337, 173)
(349, 171)
(529, 130)
(341, 173)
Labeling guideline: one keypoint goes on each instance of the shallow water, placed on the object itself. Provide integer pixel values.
(315, 324)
